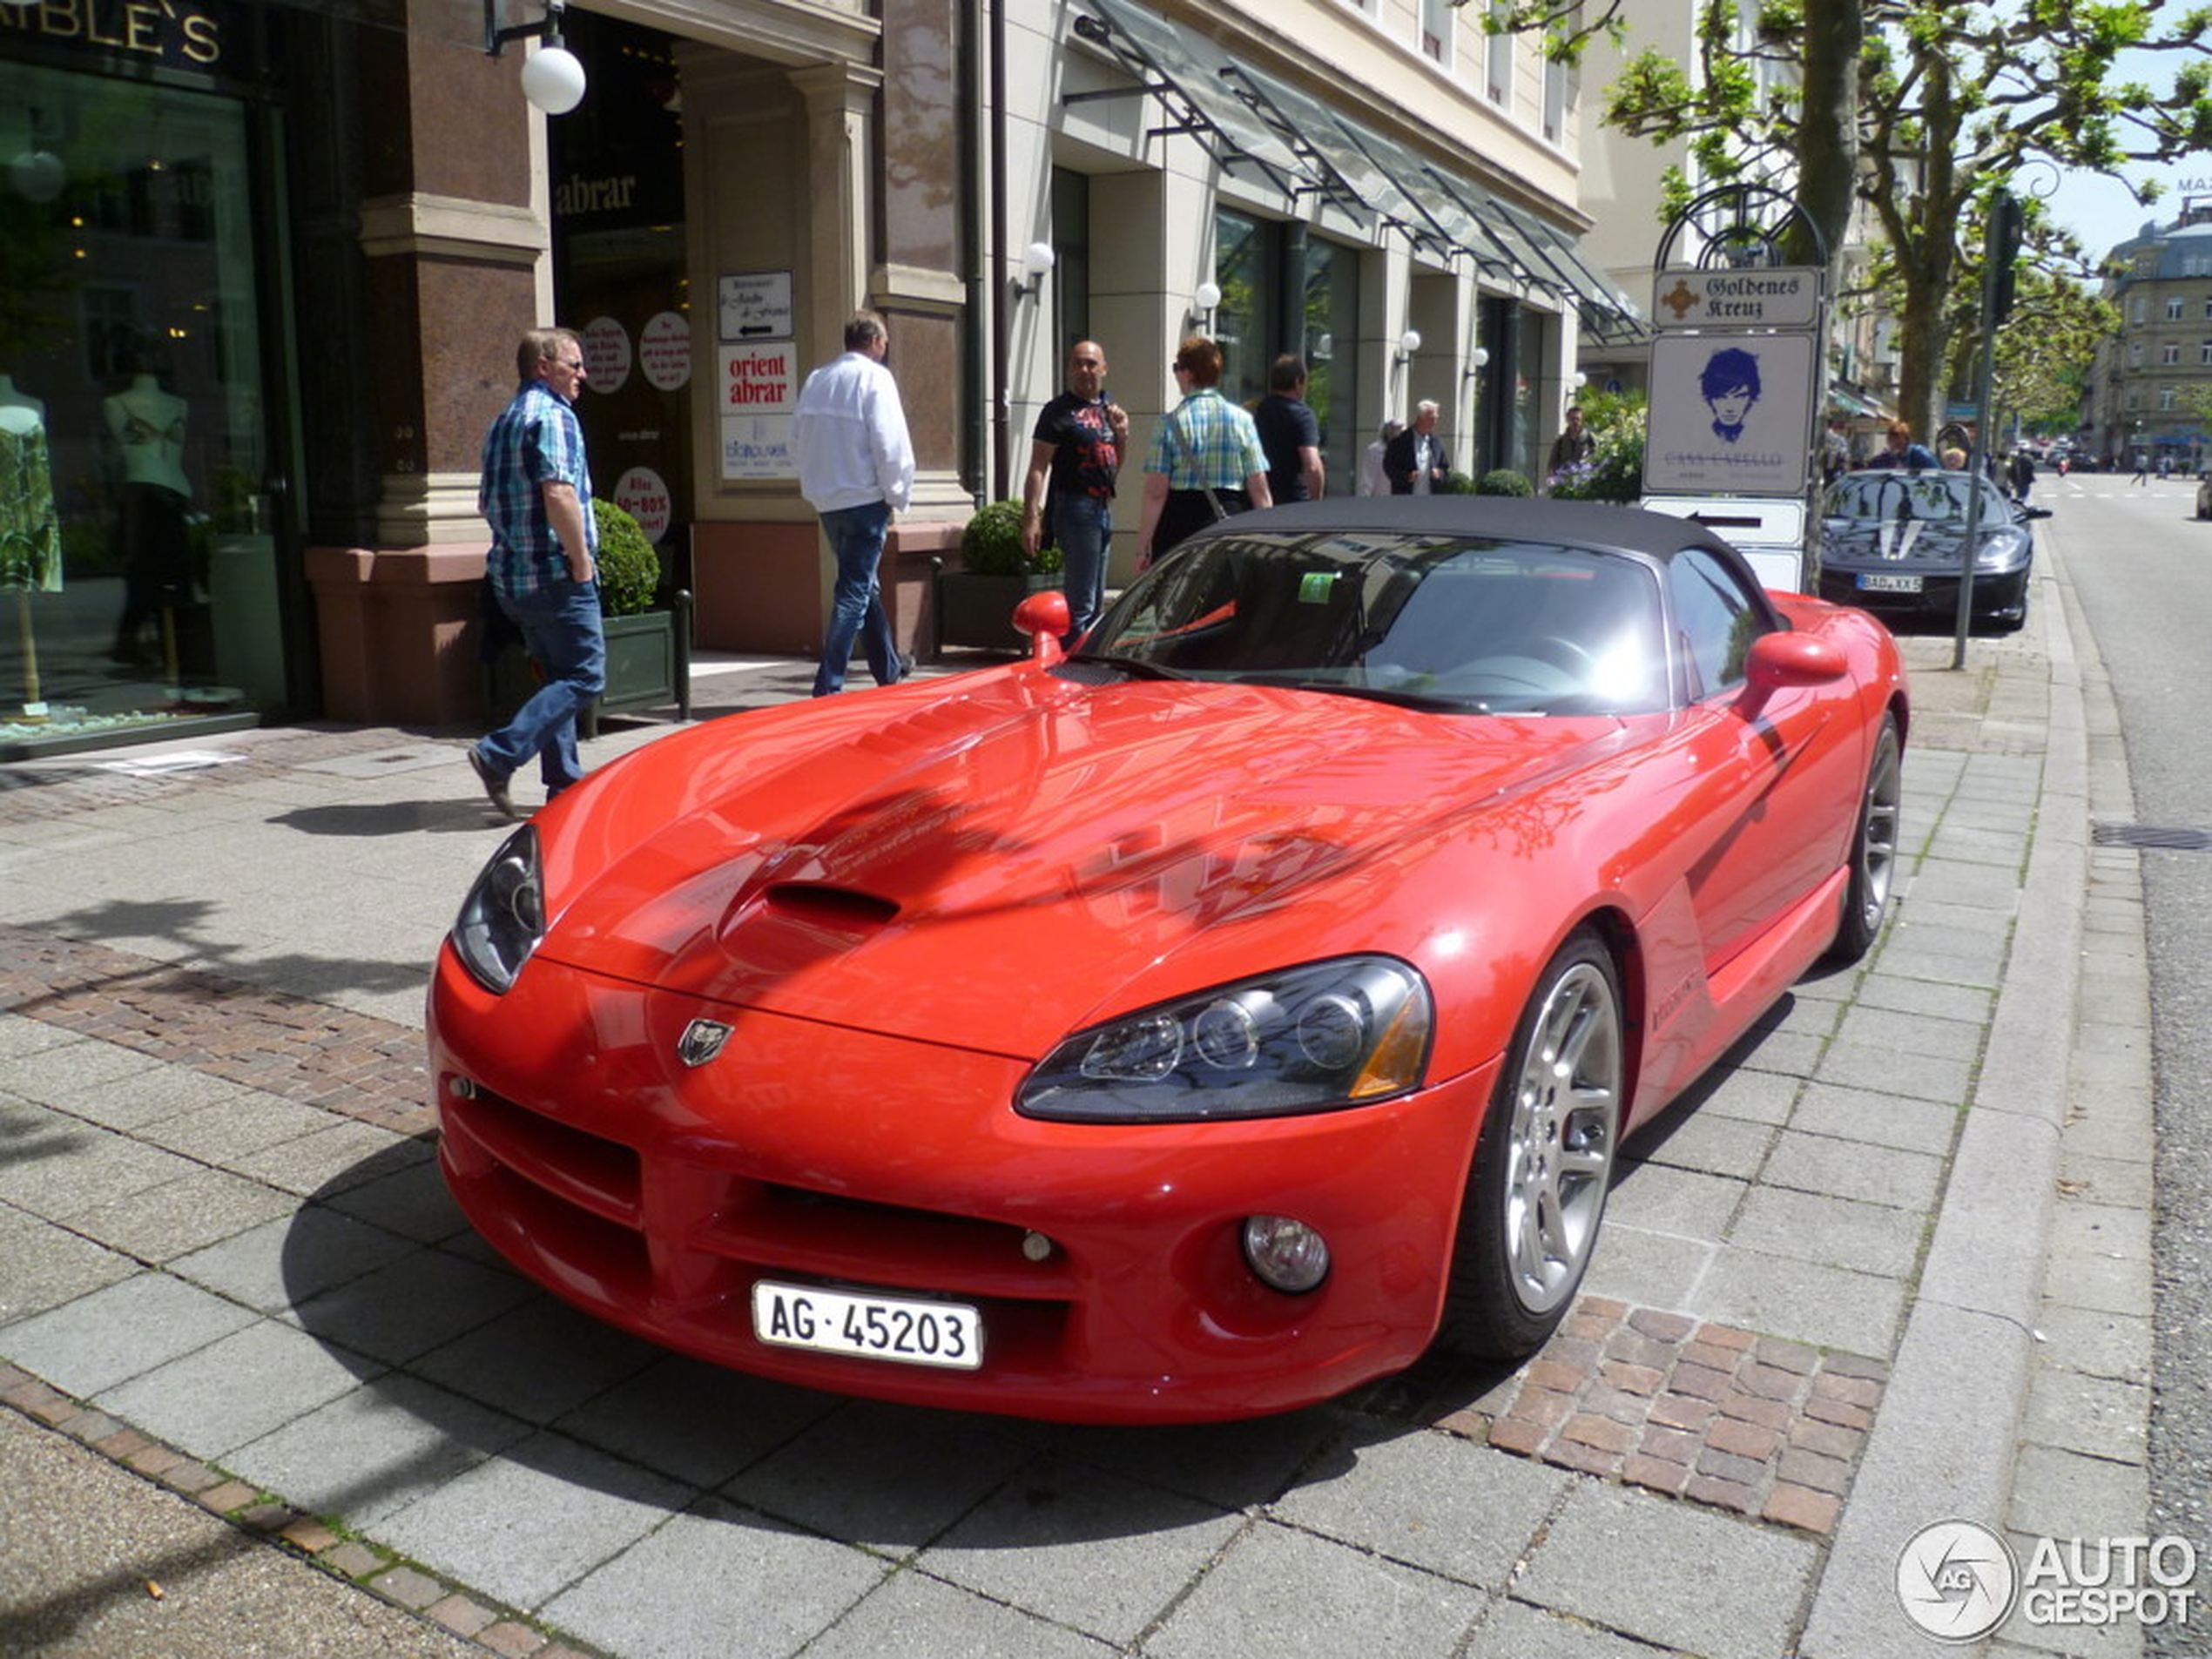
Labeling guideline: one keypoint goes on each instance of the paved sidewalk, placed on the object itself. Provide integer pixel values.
(1817, 1321)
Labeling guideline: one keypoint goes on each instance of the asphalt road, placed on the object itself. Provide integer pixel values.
(2141, 569)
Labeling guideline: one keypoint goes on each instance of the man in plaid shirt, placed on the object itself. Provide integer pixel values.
(542, 566)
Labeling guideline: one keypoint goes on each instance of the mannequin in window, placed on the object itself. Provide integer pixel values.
(148, 426)
(30, 540)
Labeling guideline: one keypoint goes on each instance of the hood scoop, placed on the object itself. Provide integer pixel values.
(787, 927)
(839, 909)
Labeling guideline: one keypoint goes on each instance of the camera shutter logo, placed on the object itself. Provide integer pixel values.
(1957, 1579)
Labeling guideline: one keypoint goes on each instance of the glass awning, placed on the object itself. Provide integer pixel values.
(1347, 149)
(1247, 116)
(1186, 73)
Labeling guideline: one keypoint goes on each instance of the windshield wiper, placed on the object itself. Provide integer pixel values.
(1426, 701)
(1135, 667)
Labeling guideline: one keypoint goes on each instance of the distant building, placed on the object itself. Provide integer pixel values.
(2163, 286)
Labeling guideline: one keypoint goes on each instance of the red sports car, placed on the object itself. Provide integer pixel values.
(1194, 1025)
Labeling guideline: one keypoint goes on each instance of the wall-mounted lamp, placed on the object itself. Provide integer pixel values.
(1037, 259)
(553, 79)
(1204, 298)
(37, 174)
(1408, 343)
(1578, 379)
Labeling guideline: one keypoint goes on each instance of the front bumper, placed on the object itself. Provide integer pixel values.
(654, 1195)
(1999, 596)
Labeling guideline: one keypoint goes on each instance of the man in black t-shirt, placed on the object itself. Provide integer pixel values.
(1290, 434)
(1077, 446)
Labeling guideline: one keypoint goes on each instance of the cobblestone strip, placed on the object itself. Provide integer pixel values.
(1722, 1416)
(497, 1629)
(351, 1064)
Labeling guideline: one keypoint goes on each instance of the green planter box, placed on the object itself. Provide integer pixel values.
(648, 666)
(978, 610)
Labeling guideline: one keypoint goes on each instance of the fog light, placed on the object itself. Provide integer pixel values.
(1286, 1255)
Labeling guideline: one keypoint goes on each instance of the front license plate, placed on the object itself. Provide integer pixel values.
(1889, 584)
(868, 1327)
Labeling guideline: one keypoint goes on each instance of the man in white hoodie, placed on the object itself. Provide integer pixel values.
(856, 468)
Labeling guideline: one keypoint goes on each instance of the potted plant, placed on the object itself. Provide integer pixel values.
(648, 633)
(975, 604)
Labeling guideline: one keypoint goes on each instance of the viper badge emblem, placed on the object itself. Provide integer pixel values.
(701, 1041)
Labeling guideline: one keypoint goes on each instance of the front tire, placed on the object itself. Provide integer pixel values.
(1873, 849)
(1528, 1223)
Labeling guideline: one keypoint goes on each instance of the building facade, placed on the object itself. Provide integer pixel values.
(2151, 385)
(266, 264)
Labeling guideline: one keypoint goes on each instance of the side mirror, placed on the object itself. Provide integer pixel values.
(2035, 512)
(1783, 659)
(1044, 618)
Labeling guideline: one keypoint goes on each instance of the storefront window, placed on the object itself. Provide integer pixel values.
(137, 553)
(1332, 350)
(1245, 259)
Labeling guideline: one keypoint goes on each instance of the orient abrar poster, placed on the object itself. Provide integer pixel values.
(1730, 414)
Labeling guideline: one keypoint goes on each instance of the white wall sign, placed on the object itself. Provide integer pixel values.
(1788, 297)
(643, 494)
(606, 354)
(756, 446)
(756, 305)
(1729, 414)
(759, 380)
(664, 351)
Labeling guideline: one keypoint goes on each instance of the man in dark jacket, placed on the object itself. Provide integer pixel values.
(1415, 461)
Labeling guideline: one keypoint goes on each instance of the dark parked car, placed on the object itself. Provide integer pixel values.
(1893, 543)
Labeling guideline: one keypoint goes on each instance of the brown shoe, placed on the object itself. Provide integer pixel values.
(494, 786)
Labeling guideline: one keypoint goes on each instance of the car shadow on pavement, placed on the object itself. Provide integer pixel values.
(462, 1362)
(366, 819)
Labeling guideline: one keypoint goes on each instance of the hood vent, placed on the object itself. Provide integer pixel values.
(839, 909)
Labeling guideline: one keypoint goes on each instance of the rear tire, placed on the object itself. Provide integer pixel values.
(1528, 1223)
(1873, 850)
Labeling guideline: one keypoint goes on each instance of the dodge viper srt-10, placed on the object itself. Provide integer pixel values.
(1195, 1025)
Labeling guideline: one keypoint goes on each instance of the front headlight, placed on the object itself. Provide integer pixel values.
(504, 917)
(1311, 1039)
(2001, 551)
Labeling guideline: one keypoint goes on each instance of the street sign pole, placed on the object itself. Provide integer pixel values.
(2000, 248)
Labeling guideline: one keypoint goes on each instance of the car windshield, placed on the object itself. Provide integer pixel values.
(1932, 498)
(1456, 623)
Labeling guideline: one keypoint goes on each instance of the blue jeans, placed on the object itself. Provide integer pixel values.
(561, 632)
(1083, 528)
(856, 609)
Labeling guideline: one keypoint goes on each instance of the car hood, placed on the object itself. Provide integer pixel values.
(1913, 541)
(994, 860)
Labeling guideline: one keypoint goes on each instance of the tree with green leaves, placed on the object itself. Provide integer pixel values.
(1944, 102)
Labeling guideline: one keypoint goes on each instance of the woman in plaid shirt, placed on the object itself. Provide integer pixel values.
(1206, 461)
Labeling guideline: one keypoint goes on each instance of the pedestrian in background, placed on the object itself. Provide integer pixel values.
(1576, 446)
(1374, 480)
(1205, 463)
(1290, 434)
(1903, 451)
(856, 468)
(1413, 461)
(1075, 458)
(2019, 473)
(535, 493)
